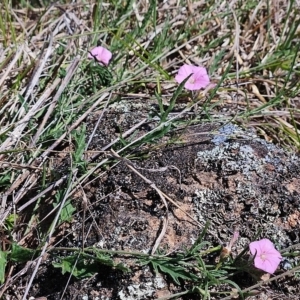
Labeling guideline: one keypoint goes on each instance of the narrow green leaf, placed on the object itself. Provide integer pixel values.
(86, 265)
(198, 243)
(104, 259)
(3, 262)
(178, 91)
(173, 270)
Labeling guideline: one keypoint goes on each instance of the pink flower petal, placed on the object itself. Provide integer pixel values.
(198, 80)
(267, 257)
(183, 73)
(101, 54)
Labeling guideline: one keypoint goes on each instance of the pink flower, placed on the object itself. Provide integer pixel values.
(267, 258)
(101, 54)
(198, 80)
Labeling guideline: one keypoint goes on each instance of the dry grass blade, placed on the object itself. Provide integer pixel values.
(69, 74)
(125, 134)
(39, 195)
(98, 122)
(43, 98)
(39, 69)
(15, 135)
(53, 228)
(54, 145)
(12, 64)
(162, 233)
(8, 281)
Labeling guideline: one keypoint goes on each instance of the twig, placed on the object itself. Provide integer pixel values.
(39, 69)
(6, 285)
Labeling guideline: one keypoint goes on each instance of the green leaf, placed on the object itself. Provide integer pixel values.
(3, 262)
(108, 261)
(66, 212)
(101, 76)
(21, 254)
(77, 266)
(157, 134)
(172, 269)
(104, 259)
(85, 265)
(79, 140)
(122, 268)
(198, 243)
(62, 73)
(10, 221)
(5, 180)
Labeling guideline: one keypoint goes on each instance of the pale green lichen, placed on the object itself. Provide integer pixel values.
(251, 188)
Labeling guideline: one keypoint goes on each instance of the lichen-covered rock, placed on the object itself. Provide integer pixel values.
(215, 172)
(257, 187)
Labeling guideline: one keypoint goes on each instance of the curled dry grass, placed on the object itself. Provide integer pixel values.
(251, 50)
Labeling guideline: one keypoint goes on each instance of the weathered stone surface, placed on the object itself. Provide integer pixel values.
(215, 172)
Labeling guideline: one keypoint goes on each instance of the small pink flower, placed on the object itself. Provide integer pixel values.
(198, 80)
(267, 258)
(101, 54)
